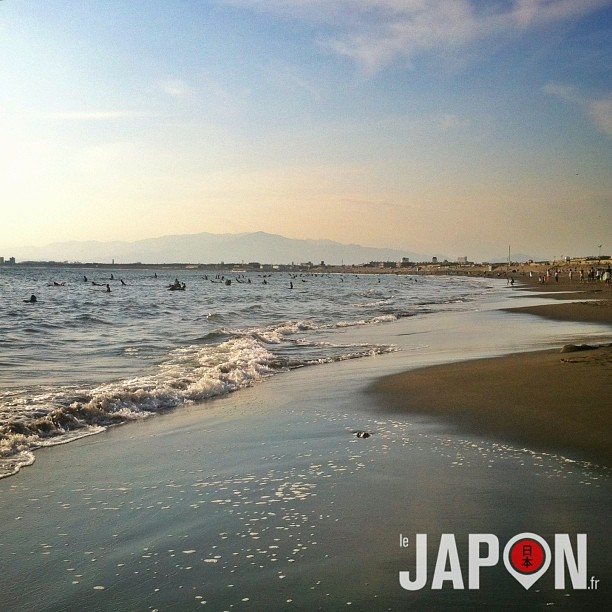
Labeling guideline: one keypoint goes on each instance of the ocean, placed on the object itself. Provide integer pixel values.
(82, 358)
(236, 481)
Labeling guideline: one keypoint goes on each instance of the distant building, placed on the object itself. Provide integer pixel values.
(381, 264)
(434, 260)
(462, 260)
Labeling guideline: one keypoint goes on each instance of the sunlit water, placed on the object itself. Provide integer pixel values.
(82, 358)
(265, 499)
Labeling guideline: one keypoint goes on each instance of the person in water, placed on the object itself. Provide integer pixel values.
(32, 300)
(108, 288)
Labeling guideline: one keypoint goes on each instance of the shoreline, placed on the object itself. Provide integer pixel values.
(549, 399)
(546, 399)
(591, 311)
(265, 498)
(570, 300)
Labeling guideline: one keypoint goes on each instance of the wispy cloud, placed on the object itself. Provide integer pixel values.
(598, 109)
(374, 33)
(601, 113)
(566, 92)
(527, 13)
(175, 88)
(290, 78)
(89, 115)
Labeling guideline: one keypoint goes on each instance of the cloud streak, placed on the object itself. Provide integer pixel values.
(175, 88)
(599, 110)
(374, 33)
(601, 113)
(89, 115)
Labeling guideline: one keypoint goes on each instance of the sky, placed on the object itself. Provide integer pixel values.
(459, 127)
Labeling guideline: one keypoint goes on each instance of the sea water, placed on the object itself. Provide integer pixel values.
(265, 499)
(82, 357)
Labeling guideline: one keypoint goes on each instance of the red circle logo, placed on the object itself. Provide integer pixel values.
(527, 556)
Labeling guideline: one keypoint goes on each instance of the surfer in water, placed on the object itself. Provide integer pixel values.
(32, 300)
(177, 286)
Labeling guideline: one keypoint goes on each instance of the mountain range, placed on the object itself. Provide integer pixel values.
(212, 248)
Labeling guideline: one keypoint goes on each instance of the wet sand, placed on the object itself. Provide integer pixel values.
(592, 311)
(570, 301)
(549, 399)
(266, 499)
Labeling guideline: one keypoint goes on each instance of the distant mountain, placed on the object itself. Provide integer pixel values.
(212, 248)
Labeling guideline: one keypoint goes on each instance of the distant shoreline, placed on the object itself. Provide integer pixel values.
(522, 273)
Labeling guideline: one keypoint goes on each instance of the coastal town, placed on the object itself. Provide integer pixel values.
(579, 269)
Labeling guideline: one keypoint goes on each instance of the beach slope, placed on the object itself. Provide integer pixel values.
(548, 400)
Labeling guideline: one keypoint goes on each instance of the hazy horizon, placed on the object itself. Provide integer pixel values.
(499, 254)
(436, 126)
(262, 247)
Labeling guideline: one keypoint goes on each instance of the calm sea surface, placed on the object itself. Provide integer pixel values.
(82, 358)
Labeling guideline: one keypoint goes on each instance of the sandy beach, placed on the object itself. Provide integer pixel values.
(548, 400)
(265, 499)
(592, 311)
(554, 400)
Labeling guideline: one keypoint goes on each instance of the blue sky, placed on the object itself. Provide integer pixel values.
(435, 126)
